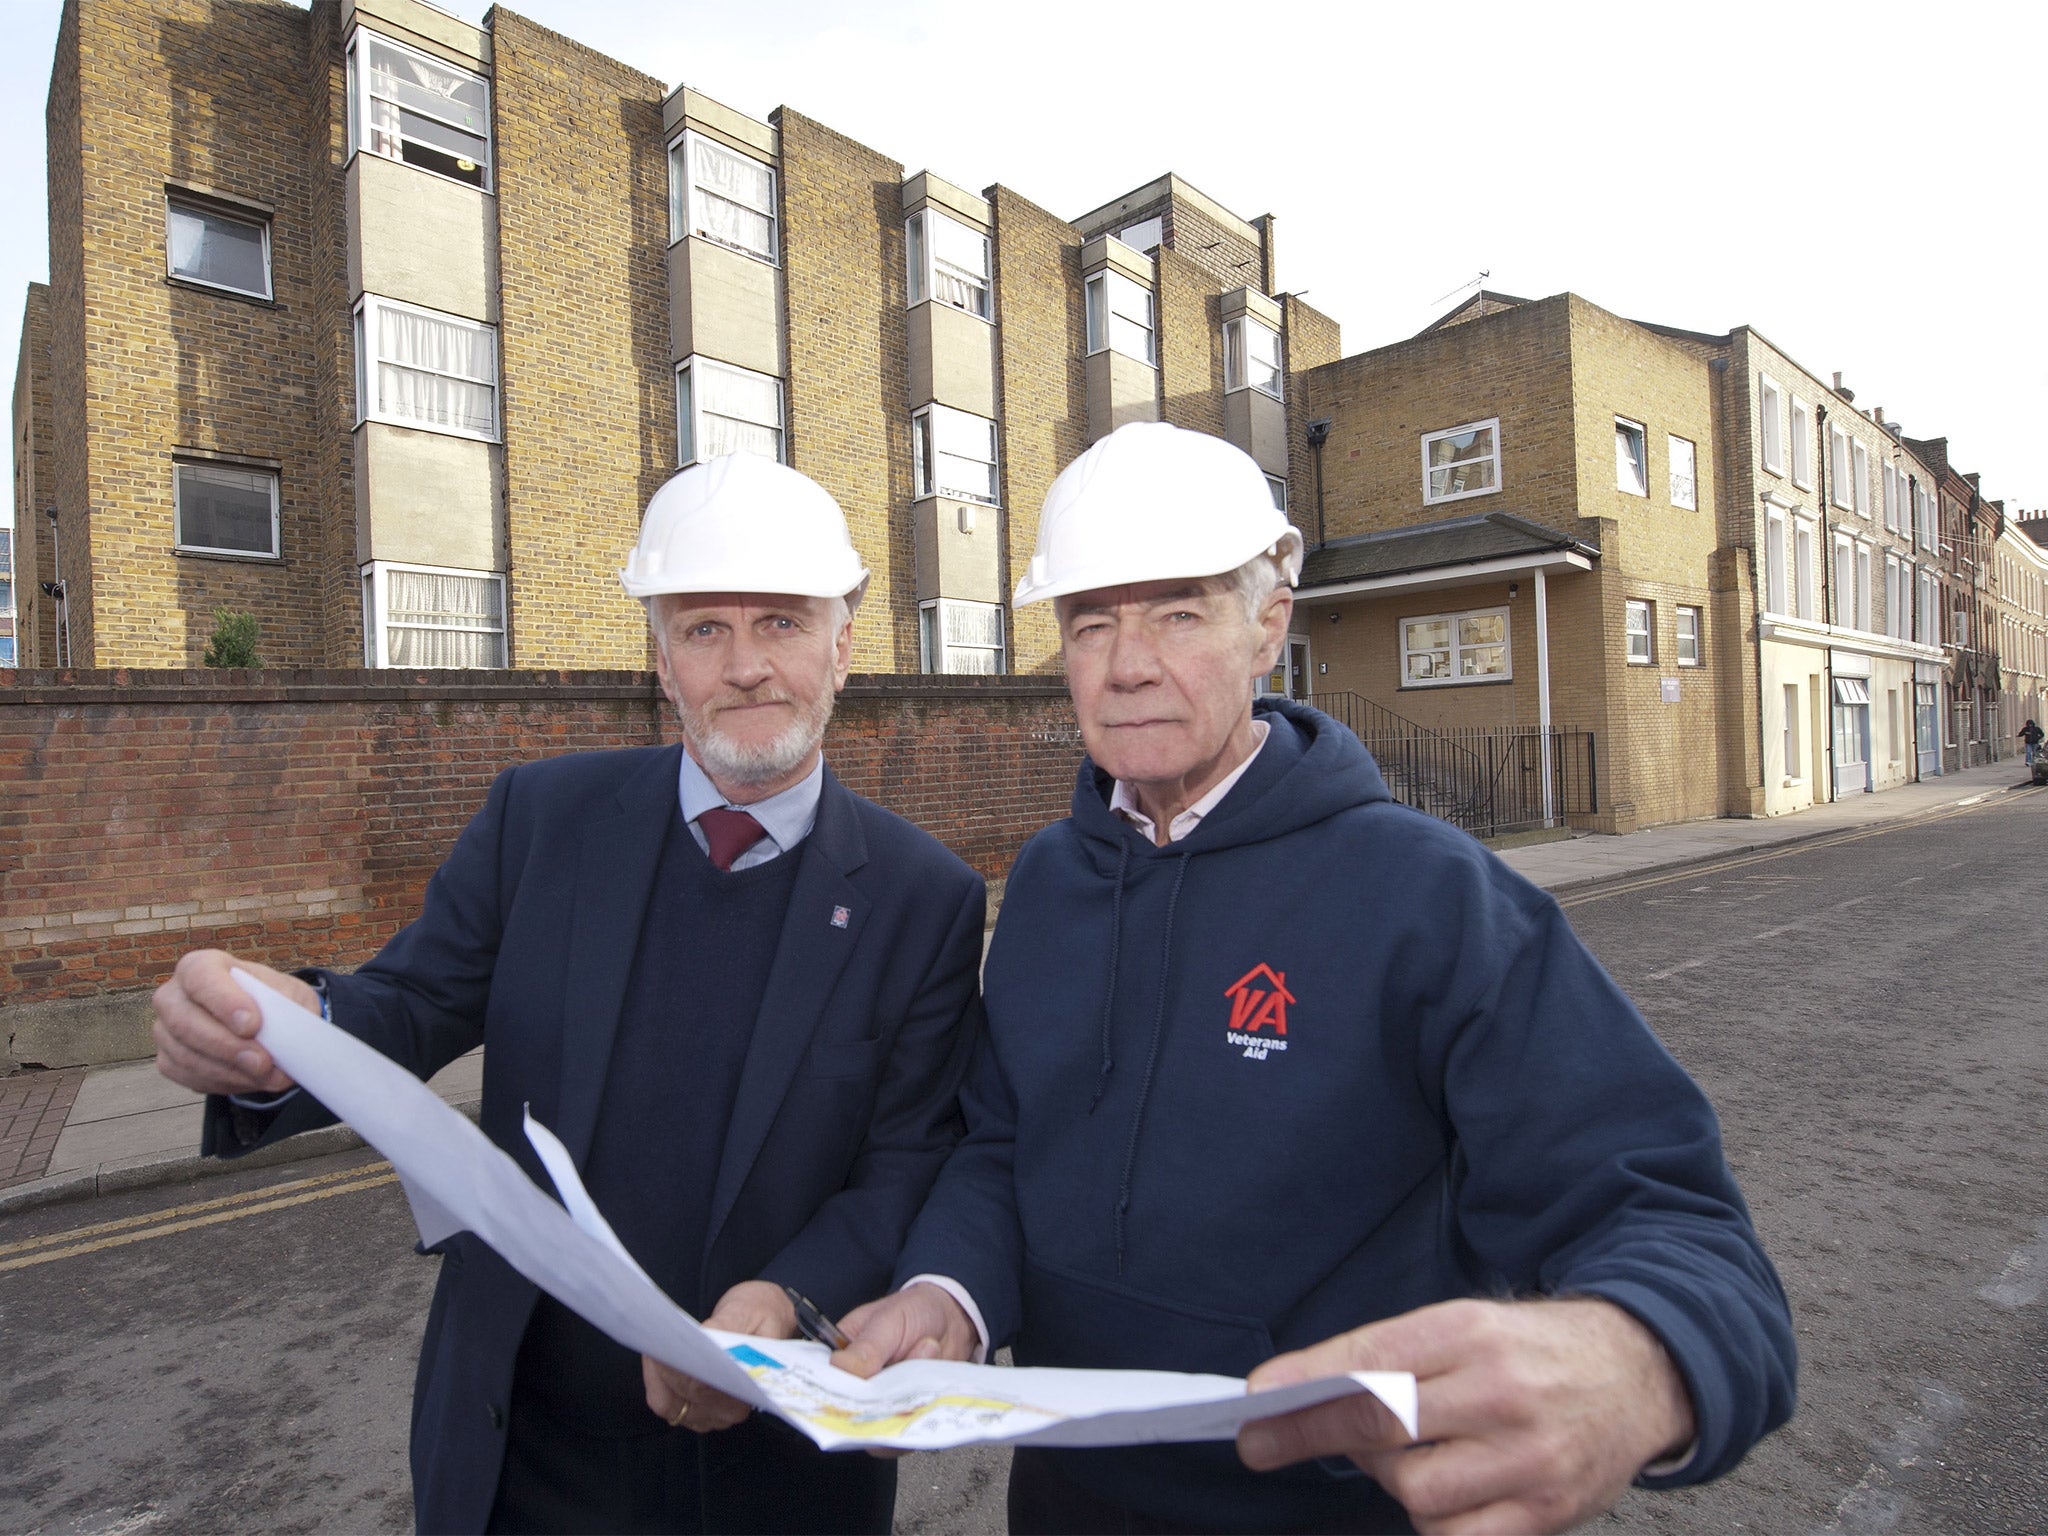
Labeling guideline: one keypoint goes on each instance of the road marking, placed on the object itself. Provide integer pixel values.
(1877, 1503)
(1772, 933)
(1627, 887)
(184, 1218)
(1683, 965)
(2025, 1275)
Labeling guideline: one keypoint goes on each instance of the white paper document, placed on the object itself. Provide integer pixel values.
(457, 1181)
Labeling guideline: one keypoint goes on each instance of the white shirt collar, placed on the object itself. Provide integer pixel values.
(787, 816)
(1123, 800)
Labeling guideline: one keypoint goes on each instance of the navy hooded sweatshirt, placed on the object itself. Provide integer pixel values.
(1321, 1062)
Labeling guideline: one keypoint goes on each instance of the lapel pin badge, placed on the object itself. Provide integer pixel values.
(841, 916)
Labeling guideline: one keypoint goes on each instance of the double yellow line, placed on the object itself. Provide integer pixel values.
(183, 1218)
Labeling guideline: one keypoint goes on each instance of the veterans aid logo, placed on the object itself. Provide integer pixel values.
(1258, 1002)
(841, 916)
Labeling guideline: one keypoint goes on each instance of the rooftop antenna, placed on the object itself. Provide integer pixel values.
(1475, 282)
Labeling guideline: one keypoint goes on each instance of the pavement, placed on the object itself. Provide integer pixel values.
(73, 1134)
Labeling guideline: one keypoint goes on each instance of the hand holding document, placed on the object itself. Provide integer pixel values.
(457, 1180)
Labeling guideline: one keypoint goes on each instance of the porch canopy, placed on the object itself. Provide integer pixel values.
(1489, 546)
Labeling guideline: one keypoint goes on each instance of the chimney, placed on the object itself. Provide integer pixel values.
(1845, 392)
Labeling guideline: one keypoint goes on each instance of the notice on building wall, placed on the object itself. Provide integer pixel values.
(1670, 689)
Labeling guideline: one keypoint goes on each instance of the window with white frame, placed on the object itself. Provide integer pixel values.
(1802, 444)
(205, 244)
(956, 636)
(1688, 637)
(1791, 730)
(1279, 489)
(718, 194)
(1771, 418)
(432, 616)
(1894, 598)
(1845, 581)
(1251, 356)
(224, 509)
(1805, 598)
(1863, 615)
(1440, 649)
(1774, 562)
(1841, 468)
(1859, 483)
(949, 261)
(1926, 616)
(1924, 506)
(420, 368)
(1685, 490)
(410, 106)
(1631, 458)
(1890, 494)
(1639, 631)
(1461, 461)
(722, 409)
(953, 453)
(1120, 317)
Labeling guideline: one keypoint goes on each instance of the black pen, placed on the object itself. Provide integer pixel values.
(813, 1324)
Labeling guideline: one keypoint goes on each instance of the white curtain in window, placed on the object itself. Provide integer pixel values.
(443, 621)
(416, 355)
(736, 198)
(751, 397)
(723, 435)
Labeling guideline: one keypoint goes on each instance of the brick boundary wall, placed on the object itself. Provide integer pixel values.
(295, 816)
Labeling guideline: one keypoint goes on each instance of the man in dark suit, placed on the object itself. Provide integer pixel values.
(739, 993)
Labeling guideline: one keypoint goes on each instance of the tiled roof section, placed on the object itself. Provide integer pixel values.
(1433, 546)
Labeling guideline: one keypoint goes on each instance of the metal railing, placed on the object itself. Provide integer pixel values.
(1486, 779)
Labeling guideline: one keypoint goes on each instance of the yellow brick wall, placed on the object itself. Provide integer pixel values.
(1190, 345)
(1309, 339)
(589, 396)
(182, 91)
(70, 466)
(1664, 758)
(849, 428)
(331, 334)
(35, 486)
(1041, 392)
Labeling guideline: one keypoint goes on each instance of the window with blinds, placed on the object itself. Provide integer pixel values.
(953, 453)
(948, 262)
(223, 509)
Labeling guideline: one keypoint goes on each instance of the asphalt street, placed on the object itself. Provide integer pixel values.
(1869, 1014)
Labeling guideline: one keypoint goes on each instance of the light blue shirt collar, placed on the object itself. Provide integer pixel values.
(786, 816)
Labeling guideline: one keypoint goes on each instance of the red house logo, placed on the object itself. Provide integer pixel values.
(1258, 998)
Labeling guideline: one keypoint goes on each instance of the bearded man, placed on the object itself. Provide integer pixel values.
(741, 995)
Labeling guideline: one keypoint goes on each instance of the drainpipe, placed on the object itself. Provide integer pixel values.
(1826, 555)
(57, 593)
(1318, 434)
(1543, 696)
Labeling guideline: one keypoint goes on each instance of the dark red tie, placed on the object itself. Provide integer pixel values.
(730, 834)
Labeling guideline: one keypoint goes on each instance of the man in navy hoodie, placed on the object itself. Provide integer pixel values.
(1283, 1079)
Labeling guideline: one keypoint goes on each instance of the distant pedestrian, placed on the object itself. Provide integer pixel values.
(2030, 734)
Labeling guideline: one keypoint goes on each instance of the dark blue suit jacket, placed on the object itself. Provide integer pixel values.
(846, 1103)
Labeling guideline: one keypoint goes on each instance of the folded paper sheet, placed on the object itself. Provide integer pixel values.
(458, 1181)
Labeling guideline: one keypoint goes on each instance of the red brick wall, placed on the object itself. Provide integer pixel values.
(296, 816)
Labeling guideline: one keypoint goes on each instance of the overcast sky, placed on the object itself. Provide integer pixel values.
(1862, 184)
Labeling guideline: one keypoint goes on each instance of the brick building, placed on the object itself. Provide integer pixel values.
(1516, 528)
(383, 327)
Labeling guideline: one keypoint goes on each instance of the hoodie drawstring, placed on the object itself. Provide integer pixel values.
(1123, 1193)
(1116, 944)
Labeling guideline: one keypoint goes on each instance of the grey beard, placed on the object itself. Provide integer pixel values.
(723, 758)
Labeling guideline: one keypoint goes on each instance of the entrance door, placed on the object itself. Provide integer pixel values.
(1299, 684)
(1927, 729)
(1852, 736)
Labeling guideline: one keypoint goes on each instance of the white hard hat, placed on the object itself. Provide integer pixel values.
(1152, 502)
(743, 523)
